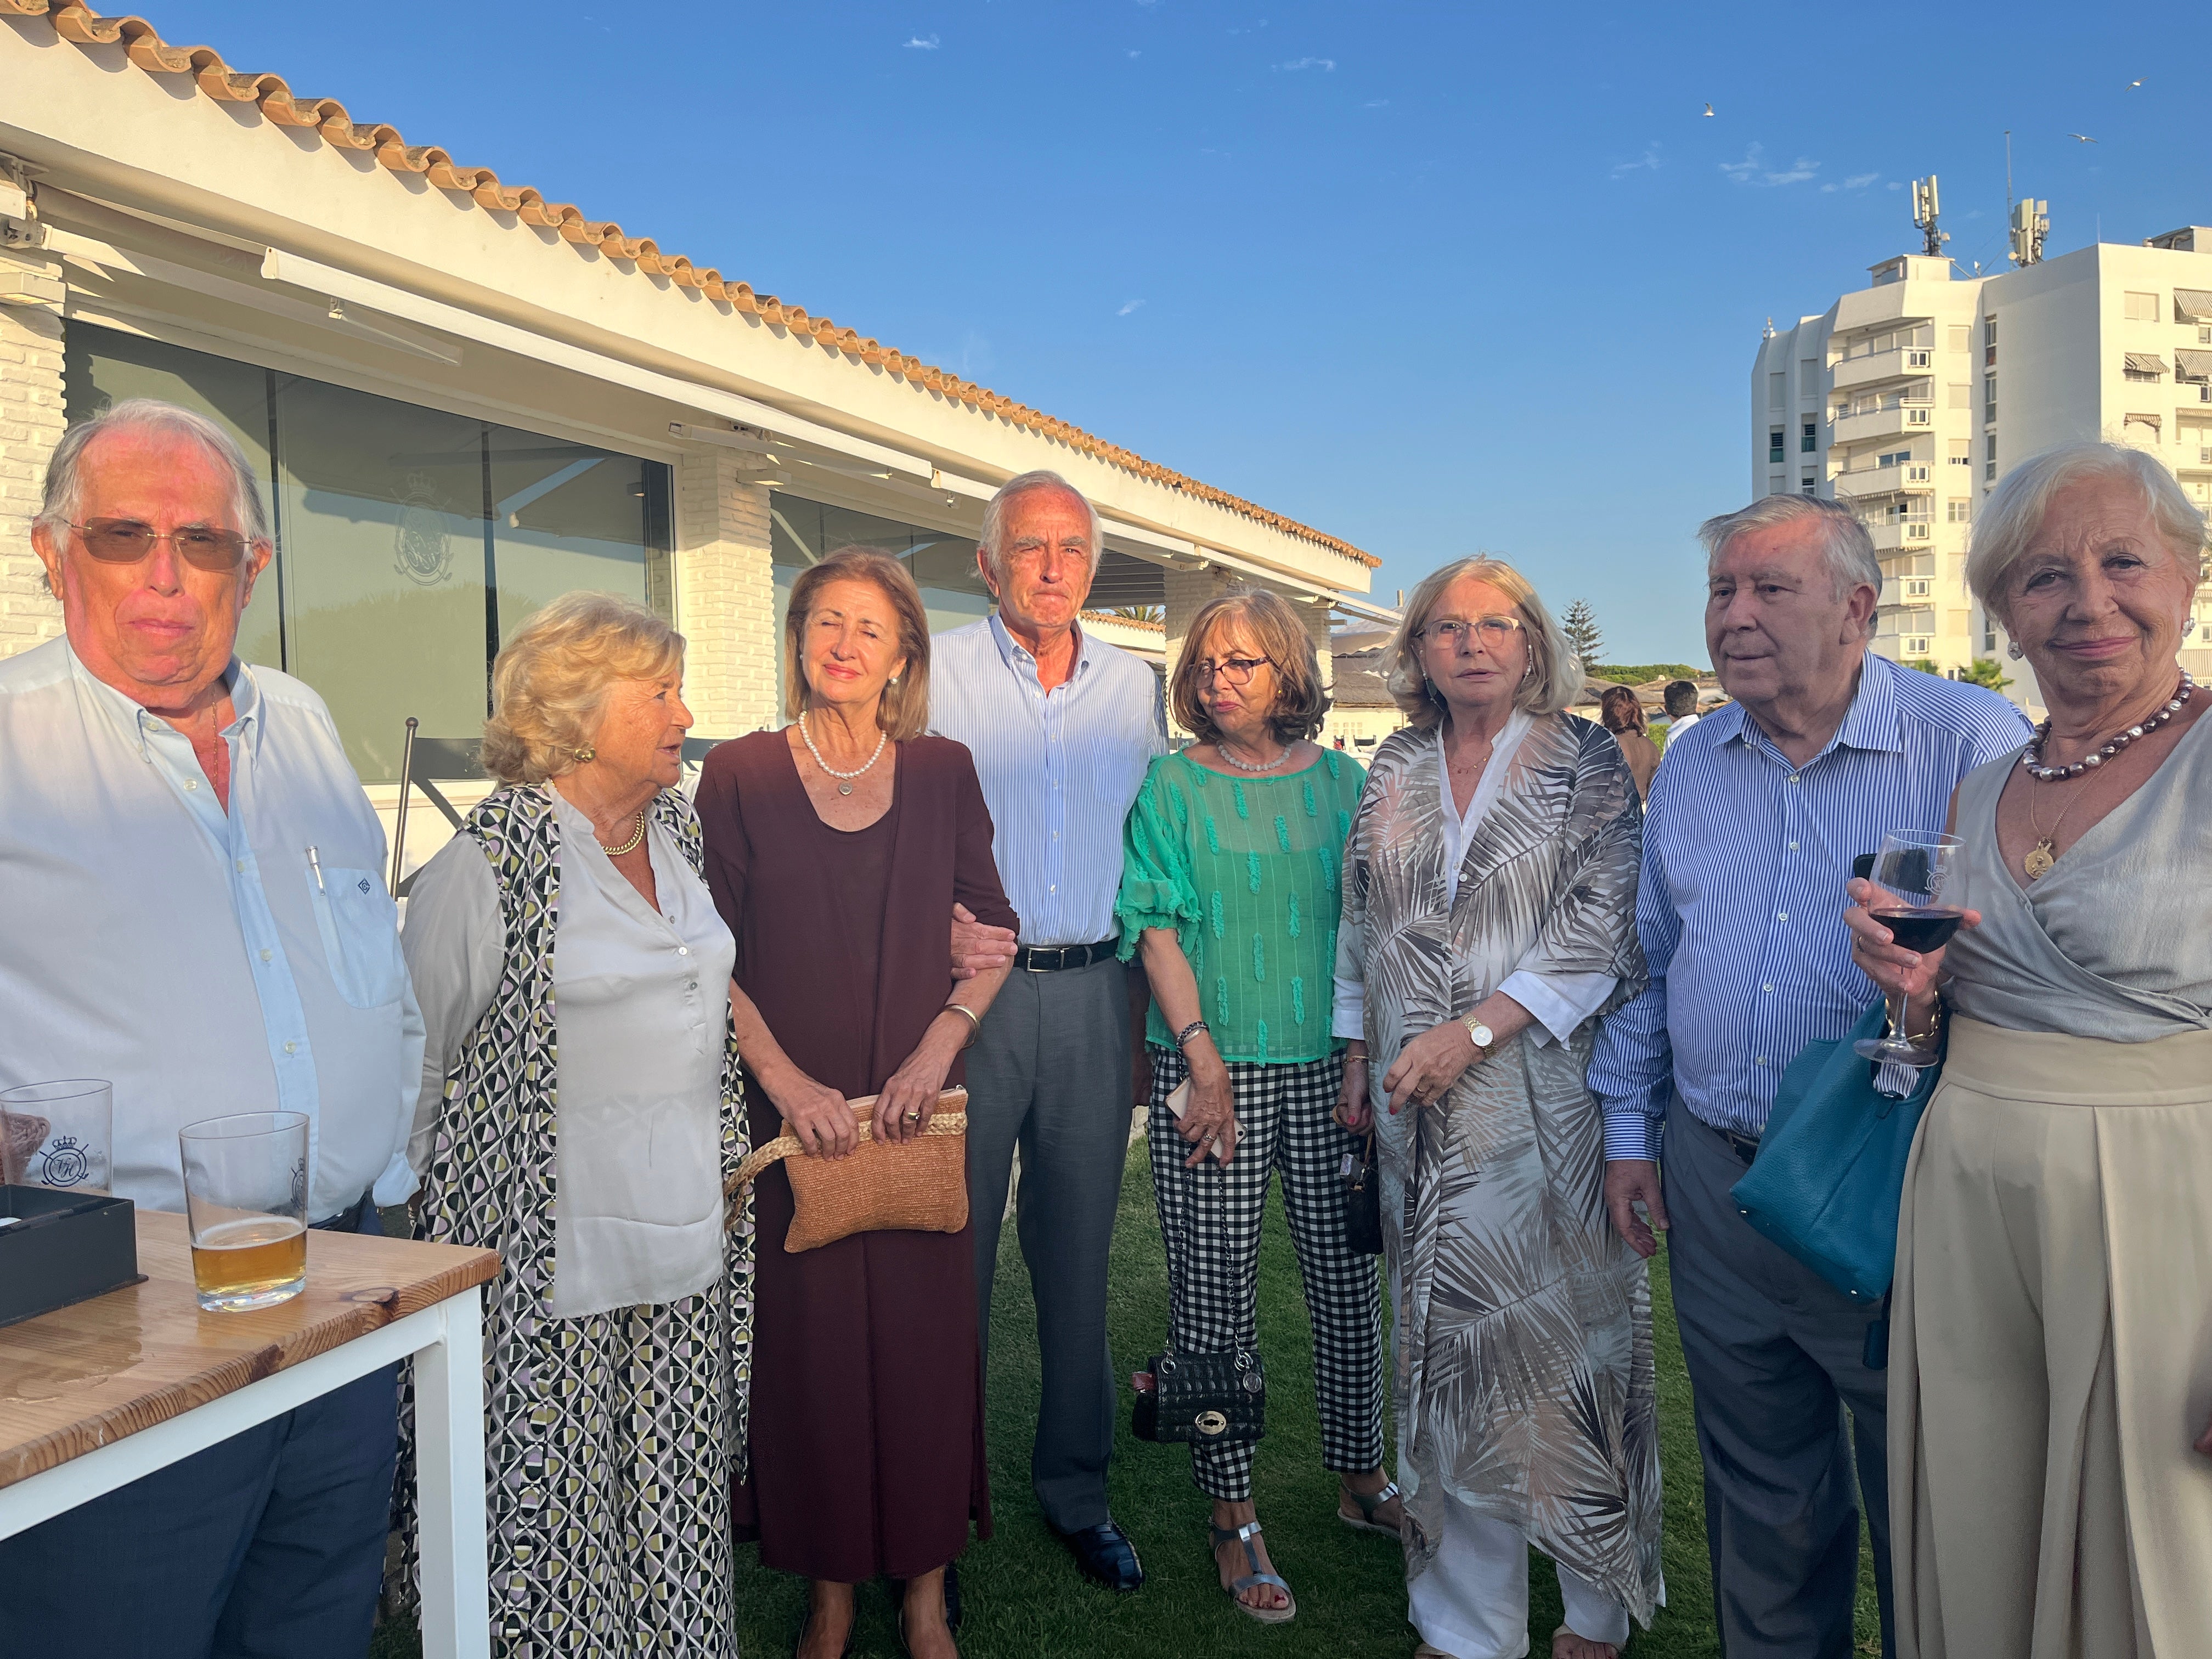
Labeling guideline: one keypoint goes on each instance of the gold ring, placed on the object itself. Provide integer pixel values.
(914, 1117)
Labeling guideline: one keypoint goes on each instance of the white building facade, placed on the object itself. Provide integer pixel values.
(1909, 398)
(464, 399)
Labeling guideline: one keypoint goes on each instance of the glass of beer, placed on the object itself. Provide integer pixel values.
(246, 1197)
(59, 1135)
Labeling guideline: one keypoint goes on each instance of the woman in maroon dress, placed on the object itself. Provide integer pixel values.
(835, 850)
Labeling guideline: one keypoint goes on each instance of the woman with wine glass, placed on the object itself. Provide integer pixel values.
(2050, 1368)
(1229, 891)
(1488, 917)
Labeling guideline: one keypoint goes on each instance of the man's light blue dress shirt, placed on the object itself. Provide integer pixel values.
(190, 954)
(1741, 904)
(1060, 768)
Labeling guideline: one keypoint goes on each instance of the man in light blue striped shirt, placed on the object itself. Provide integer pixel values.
(1748, 839)
(1063, 728)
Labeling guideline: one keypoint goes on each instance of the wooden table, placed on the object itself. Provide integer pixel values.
(95, 1396)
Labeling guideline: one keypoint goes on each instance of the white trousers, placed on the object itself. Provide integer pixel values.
(1471, 1601)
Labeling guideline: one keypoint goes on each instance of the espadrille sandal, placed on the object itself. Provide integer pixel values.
(1244, 1535)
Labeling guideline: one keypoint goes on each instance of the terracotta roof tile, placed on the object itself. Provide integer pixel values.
(75, 22)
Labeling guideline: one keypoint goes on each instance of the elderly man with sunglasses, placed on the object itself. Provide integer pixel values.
(194, 912)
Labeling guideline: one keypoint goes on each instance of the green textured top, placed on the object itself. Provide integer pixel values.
(1245, 870)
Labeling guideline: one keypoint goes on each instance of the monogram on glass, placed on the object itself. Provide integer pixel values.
(1918, 877)
(59, 1134)
(245, 1199)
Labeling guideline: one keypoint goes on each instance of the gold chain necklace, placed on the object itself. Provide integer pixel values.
(2045, 853)
(637, 840)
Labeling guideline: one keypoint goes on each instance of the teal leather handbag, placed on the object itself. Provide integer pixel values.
(1830, 1173)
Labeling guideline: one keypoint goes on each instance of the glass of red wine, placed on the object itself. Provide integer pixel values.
(1917, 876)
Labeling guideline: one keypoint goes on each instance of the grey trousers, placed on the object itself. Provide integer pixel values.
(1050, 1072)
(1775, 1356)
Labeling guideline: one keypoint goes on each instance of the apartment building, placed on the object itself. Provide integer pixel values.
(1909, 398)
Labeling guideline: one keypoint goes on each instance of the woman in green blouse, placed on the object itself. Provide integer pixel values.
(1229, 890)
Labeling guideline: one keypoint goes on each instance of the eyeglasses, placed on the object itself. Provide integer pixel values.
(126, 541)
(1237, 671)
(1494, 631)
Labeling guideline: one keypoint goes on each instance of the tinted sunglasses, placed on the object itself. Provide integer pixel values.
(126, 541)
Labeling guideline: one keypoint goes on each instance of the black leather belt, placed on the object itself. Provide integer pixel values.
(346, 1220)
(1051, 958)
(1746, 1148)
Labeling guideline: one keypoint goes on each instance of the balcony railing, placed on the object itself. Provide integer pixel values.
(1871, 368)
(1884, 422)
(1892, 535)
(1908, 477)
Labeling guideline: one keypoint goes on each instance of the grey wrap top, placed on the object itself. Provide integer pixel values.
(2115, 941)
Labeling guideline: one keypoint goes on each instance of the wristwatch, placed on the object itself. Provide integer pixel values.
(1485, 1038)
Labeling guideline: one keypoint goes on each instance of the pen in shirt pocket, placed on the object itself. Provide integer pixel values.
(315, 864)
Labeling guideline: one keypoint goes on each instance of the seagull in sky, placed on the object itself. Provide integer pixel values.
(2131, 86)
(2082, 137)
(1709, 109)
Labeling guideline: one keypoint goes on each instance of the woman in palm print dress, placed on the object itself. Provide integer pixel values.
(1489, 916)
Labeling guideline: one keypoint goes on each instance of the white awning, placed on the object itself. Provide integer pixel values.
(2194, 303)
(2193, 365)
(2146, 362)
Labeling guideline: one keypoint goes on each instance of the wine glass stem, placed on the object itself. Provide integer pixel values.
(1896, 1004)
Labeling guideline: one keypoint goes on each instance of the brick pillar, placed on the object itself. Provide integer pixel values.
(725, 597)
(31, 424)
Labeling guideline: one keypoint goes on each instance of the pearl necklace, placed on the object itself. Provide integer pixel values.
(1222, 750)
(2032, 757)
(630, 845)
(844, 786)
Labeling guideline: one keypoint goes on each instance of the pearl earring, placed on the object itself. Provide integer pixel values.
(2014, 651)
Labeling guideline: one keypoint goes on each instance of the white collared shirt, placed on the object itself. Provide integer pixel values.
(190, 954)
(1060, 768)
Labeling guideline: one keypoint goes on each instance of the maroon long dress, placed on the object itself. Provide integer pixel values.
(866, 1433)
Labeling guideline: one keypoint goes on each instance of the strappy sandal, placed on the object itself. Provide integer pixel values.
(1369, 1503)
(1244, 1535)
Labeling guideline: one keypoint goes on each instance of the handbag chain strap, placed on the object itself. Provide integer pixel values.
(1175, 1276)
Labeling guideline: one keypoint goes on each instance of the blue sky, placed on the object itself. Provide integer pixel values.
(1432, 277)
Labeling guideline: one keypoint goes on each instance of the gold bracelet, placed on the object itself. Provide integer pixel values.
(1922, 1039)
(975, 1025)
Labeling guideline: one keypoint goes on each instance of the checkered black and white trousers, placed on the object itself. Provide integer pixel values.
(1210, 1221)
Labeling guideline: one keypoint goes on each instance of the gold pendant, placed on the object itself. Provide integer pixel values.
(2040, 859)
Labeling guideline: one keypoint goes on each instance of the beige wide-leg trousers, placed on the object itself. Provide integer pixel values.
(2051, 1354)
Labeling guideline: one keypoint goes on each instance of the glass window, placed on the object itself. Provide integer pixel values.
(568, 517)
(1809, 440)
(385, 554)
(1774, 444)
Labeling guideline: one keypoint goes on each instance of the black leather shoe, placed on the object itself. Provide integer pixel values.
(1105, 1552)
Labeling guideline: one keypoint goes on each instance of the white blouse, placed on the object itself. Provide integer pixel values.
(641, 1007)
(1560, 1002)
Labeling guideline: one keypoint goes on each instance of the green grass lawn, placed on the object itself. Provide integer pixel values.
(1024, 1596)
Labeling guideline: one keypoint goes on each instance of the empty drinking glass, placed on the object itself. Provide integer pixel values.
(59, 1134)
(245, 1199)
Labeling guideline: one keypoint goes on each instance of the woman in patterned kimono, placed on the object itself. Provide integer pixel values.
(1489, 915)
(579, 1115)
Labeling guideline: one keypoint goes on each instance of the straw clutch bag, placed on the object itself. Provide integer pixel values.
(920, 1186)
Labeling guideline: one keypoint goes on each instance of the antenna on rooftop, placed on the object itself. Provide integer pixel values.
(1925, 209)
(2029, 220)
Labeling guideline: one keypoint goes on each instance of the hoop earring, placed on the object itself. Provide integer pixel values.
(2012, 650)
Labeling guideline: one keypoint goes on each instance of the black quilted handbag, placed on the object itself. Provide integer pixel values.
(1207, 1399)
(1362, 1200)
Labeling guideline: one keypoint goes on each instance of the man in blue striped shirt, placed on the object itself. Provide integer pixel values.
(1748, 840)
(1063, 728)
